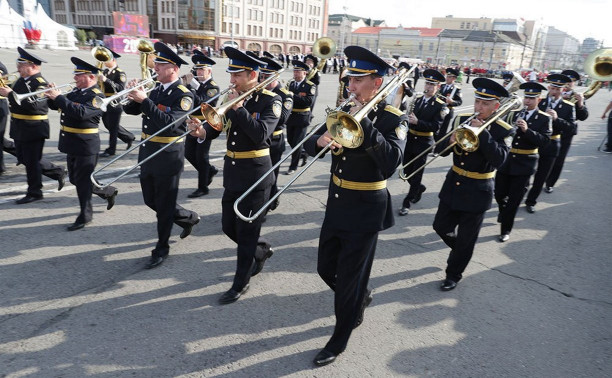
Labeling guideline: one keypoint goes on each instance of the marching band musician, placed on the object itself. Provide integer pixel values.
(563, 123)
(453, 101)
(203, 88)
(79, 136)
(533, 128)
(277, 140)
(358, 203)
(507, 77)
(159, 177)
(304, 93)
(4, 114)
(425, 120)
(467, 192)
(30, 126)
(250, 123)
(581, 113)
(114, 80)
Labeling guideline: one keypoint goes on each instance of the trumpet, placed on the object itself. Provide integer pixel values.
(466, 136)
(120, 98)
(40, 94)
(93, 178)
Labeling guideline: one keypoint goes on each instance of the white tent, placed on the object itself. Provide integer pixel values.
(54, 36)
(11, 27)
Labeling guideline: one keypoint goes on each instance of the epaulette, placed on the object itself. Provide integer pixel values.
(309, 82)
(212, 82)
(458, 117)
(41, 80)
(183, 88)
(438, 100)
(286, 91)
(569, 102)
(267, 92)
(394, 110)
(118, 69)
(96, 91)
(544, 113)
(504, 124)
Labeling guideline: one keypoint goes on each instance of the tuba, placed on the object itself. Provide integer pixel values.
(598, 65)
(323, 49)
(102, 55)
(146, 48)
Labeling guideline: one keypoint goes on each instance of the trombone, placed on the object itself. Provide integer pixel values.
(65, 88)
(466, 136)
(345, 130)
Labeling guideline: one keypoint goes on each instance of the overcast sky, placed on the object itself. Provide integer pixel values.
(578, 18)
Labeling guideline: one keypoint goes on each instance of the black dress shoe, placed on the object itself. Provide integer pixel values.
(211, 173)
(417, 197)
(111, 200)
(232, 295)
(366, 302)
(77, 225)
(155, 261)
(259, 264)
(27, 199)
(448, 285)
(198, 193)
(549, 189)
(61, 181)
(106, 154)
(274, 204)
(304, 159)
(324, 357)
(187, 229)
(530, 209)
(129, 143)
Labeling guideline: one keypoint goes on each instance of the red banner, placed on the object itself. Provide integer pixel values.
(136, 25)
(123, 45)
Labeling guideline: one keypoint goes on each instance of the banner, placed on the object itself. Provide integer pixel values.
(136, 25)
(123, 45)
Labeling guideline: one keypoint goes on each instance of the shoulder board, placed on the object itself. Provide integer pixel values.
(544, 113)
(464, 115)
(96, 90)
(118, 69)
(309, 82)
(183, 88)
(41, 80)
(286, 91)
(394, 110)
(569, 103)
(504, 124)
(439, 101)
(267, 92)
(212, 82)
(457, 120)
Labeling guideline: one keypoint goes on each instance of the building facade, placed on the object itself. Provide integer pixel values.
(453, 23)
(340, 27)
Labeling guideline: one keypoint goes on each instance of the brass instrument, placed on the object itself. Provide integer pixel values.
(120, 98)
(8, 79)
(598, 65)
(514, 83)
(323, 48)
(102, 55)
(146, 48)
(40, 94)
(93, 178)
(340, 95)
(345, 130)
(466, 136)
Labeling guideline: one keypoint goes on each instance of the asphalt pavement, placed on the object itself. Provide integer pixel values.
(80, 304)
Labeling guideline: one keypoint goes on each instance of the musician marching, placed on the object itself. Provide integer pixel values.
(358, 202)
(30, 126)
(533, 130)
(425, 118)
(113, 80)
(249, 124)
(453, 98)
(159, 177)
(79, 136)
(203, 88)
(467, 192)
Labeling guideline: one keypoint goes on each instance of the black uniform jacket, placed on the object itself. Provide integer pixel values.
(161, 108)
(249, 129)
(205, 92)
(430, 115)
(447, 89)
(287, 99)
(537, 136)
(472, 195)
(565, 124)
(29, 129)
(115, 81)
(79, 112)
(376, 159)
(303, 100)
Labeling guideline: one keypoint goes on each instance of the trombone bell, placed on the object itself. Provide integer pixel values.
(344, 129)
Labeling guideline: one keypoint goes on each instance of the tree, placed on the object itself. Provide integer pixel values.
(80, 35)
(92, 35)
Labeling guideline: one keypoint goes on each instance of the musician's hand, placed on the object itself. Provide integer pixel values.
(196, 128)
(101, 77)
(186, 79)
(412, 119)
(324, 141)
(449, 101)
(132, 83)
(52, 94)
(476, 122)
(232, 94)
(521, 124)
(552, 113)
(137, 95)
(452, 138)
(579, 99)
(4, 91)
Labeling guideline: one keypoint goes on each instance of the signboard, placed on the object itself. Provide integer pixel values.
(136, 25)
(123, 44)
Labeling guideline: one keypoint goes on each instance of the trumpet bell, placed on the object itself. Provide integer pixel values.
(345, 129)
(102, 54)
(324, 48)
(212, 117)
(598, 65)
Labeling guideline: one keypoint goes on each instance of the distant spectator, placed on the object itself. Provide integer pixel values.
(533, 75)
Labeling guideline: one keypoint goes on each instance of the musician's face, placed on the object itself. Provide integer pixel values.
(166, 72)
(554, 91)
(450, 79)
(84, 80)
(531, 102)
(364, 87)
(431, 88)
(204, 73)
(485, 107)
(299, 75)
(243, 80)
(25, 69)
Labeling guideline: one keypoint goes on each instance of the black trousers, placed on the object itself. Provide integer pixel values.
(555, 172)
(277, 147)
(4, 113)
(294, 135)
(344, 263)
(245, 234)
(159, 194)
(198, 155)
(444, 127)
(414, 181)
(111, 119)
(79, 170)
(509, 193)
(30, 154)
(459, 230)
(545, 164)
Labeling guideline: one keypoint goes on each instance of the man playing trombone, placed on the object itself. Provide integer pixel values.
(249, 123)
(467, 192)
(203, 88)
(159, 177)
(79, 138)
(30, 126)
(358, 202)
